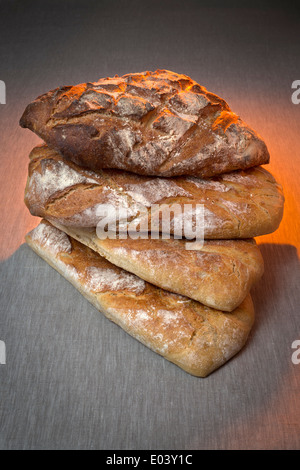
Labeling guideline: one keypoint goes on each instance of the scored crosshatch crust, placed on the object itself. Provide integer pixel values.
(240, 204)
(151, 123)
(196, 338)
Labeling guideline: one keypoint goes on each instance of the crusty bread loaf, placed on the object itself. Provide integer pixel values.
(240, 204)
(219, 275)
(196, 338)
(151, 123)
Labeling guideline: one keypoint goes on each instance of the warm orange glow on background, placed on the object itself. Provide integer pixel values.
(278, 124)
(281, 133)
(68, 370)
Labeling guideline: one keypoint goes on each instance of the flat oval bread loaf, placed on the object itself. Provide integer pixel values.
(219, 275)
(196, 338)
(152, 123)
(240, 204)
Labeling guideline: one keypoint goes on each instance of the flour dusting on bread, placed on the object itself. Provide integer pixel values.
(55, 176)
(51, 238)
(155, 190)
(101, 280)
(152, 123)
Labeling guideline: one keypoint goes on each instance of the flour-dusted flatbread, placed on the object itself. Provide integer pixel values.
(219, 275)
(240, 204)
(196, 338)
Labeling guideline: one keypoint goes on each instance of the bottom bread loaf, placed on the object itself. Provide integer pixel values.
(197, 338)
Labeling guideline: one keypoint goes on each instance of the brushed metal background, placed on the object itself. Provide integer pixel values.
(73, 380)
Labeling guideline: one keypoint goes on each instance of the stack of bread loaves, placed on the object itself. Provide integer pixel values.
(143, 141)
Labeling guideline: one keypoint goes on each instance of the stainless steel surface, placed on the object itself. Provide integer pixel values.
(73, 379)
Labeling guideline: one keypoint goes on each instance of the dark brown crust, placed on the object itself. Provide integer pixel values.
(151, 123)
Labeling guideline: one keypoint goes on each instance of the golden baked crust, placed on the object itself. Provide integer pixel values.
(219, 275)
(240, 204)
(150, 123)
(196, 338)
